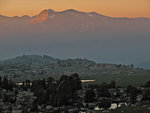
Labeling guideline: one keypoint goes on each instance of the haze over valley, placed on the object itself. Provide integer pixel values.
(75, 34)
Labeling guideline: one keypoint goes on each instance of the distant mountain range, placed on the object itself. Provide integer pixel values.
(50, 21)
(72, 33)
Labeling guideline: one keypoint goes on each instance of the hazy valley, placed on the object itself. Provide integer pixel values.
(72, 33)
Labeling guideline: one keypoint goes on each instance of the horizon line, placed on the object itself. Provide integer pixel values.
(78, 11)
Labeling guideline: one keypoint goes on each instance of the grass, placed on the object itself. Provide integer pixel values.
(122, 80)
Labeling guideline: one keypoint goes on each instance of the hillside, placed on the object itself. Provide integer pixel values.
(30, 59)
(47, 60)
(37, 67)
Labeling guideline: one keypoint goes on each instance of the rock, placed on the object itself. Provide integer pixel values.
(91, 105)
(55, 108)
(49, 107)
(113, 106)
(105, 111)
(39, 107)
(19, 107)
(97, 108)
(16, 111)
(1, 102)
(82, 112)
(73, 110)
(62, 112)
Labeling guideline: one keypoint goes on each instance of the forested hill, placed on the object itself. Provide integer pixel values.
(30, 59)
(33, 67)
(45, 60)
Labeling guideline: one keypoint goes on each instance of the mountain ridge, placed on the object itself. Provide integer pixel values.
(48, 14)
(51, 10)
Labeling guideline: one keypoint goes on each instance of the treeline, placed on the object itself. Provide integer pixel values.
(111, 93)
(63, 92)
(55, 92)
(46, 60)
(6, 83)
(30, 59)
(69, 91)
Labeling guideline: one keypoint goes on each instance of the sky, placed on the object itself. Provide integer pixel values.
(113, 8)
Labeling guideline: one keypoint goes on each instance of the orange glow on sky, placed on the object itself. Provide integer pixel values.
(114, 8)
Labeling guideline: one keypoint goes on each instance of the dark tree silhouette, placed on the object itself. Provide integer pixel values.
(50, 80)
(104, 104)
(147, 84)
(1, 82)
(57, 93)
(5, 83)
(132, 92)
(146, 95)
(90, 96)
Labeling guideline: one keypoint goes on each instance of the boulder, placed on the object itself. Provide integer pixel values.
(73, 110)
(49, 107)
(16, 111)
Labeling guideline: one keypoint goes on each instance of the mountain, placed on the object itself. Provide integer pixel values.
(42, 17)
(73, 33)
(48, 14)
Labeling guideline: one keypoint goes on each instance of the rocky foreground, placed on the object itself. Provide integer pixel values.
(69, 95)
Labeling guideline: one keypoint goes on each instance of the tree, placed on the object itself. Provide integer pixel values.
(57, 93)
(105, 103)
(5, 83)
(90, 96)
(132, 65)
(103, 92)
(36, 85)
(113, 84)
(146, 95)
(43, 83)
(50, 80)
(27, 83)
(10, 85)
(1, 82)
(147, 84)
(66, 89)
(132, 92)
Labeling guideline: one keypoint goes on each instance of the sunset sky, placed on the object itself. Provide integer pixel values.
(114, 8)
